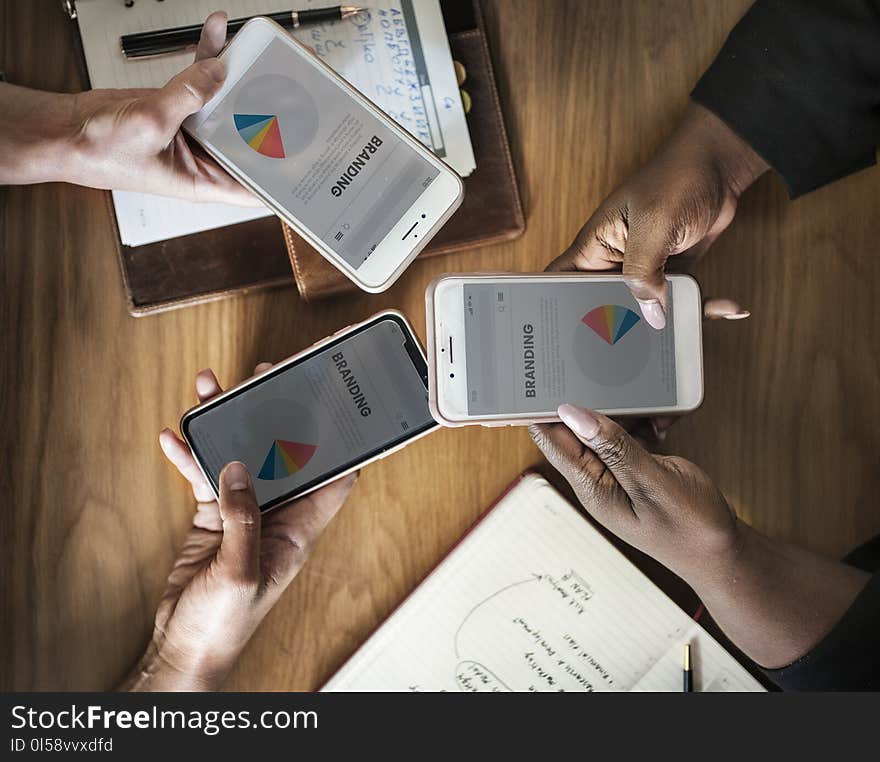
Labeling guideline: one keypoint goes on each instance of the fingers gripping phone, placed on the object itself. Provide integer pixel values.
(344, 402)
(509, 349)
(360, 189)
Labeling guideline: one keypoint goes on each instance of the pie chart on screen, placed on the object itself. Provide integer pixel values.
(611, 344)
(611, 322)
(275, 116)
(285, 459)
(280, 439)
(261, 133)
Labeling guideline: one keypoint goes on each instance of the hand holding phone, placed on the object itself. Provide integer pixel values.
(360, 189)
(229, 574)
(676, 205)
(509, 349)
(665, 507)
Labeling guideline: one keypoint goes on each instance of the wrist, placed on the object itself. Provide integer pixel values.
(164, 668)
(716, 573)
(736, 161)
(776, 602)
(79, 153)
(713, 556)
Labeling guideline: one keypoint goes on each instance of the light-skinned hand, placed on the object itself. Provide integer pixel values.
(121, 139)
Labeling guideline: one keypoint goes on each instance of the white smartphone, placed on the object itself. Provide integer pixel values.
(509, 349)
(359, 188)
(356, 396)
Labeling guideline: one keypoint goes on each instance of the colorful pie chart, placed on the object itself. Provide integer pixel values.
(285, 459)
(261, 132)
(610, 322)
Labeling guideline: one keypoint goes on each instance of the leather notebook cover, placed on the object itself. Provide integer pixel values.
(251, 255)
(491, 211)
(202, 267)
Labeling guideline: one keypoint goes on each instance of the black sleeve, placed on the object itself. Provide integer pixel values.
(799, 81)
(848, 658)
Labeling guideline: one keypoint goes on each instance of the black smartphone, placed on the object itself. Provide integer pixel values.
(331, 409)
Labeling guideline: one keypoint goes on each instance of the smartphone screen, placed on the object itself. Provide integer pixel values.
(309, 421)
(532, 346)
(317, 152)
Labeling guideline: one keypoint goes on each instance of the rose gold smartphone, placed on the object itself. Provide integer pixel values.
(359, 188)
(346, 401)
(509, 349)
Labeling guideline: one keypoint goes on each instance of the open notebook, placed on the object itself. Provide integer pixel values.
(535, 599)
(376, 53)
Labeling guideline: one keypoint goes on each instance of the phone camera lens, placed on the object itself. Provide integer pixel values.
(423, 216)
(452, 375)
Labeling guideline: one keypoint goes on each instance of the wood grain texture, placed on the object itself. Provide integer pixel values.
(93, 515)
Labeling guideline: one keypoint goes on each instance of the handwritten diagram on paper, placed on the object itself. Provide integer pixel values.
(536, 600)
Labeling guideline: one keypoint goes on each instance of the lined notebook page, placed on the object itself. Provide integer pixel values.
(374, 56)
(535, 599)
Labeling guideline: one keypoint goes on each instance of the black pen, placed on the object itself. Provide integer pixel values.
(688, 684)
(162, 41)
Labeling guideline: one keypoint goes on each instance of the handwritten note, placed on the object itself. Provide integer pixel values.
(535, 599)
(396, 53)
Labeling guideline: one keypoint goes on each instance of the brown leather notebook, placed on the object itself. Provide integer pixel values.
(202, 267)
(251, 256)
(491, 211)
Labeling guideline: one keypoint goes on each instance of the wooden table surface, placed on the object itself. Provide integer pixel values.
(93, 515)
